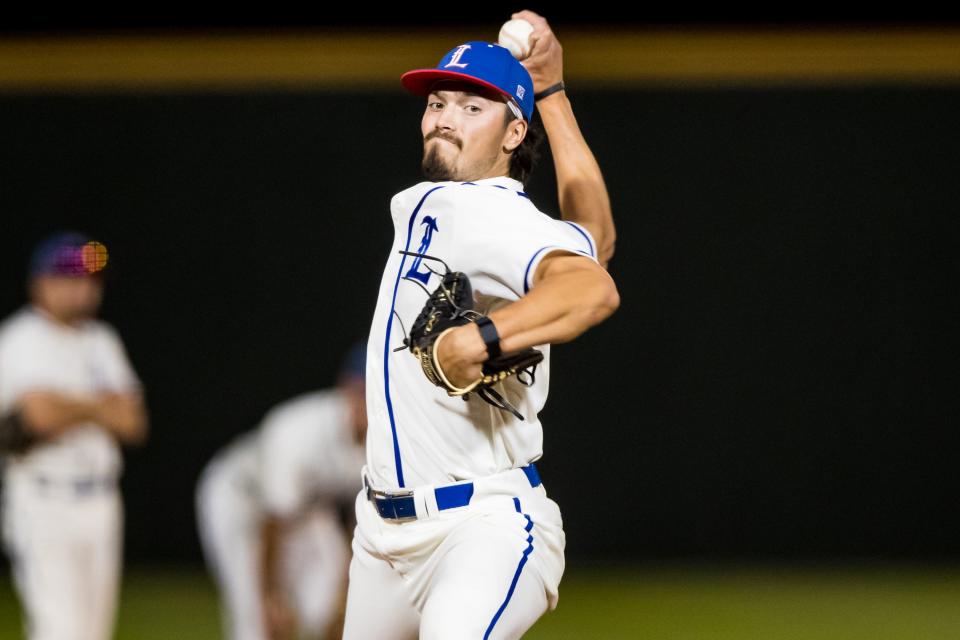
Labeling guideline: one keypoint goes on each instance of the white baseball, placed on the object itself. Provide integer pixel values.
(515, 36)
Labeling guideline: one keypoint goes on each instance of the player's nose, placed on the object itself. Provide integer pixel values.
(446, 120)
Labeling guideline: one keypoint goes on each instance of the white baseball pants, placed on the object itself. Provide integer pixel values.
(65, 547)
(489, 569)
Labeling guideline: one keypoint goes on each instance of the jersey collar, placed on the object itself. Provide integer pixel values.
(501, 181)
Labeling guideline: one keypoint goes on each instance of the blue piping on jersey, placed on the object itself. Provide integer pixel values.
(516, 576)
(526, 273)
(386, 341)
(585, 236)
(500, 186)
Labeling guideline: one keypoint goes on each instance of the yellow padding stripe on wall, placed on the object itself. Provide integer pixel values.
(375, 60)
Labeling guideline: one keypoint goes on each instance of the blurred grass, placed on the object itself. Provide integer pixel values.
(822, 603)
(875, 602)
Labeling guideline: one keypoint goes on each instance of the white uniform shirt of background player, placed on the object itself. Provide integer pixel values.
(268, 517)
(469, 539)
(68, 375)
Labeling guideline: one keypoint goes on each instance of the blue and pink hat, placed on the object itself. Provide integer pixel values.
(70, 254)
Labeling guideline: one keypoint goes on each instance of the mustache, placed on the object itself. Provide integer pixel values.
(436, 134)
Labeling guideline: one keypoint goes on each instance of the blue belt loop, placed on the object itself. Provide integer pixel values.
(532, 474)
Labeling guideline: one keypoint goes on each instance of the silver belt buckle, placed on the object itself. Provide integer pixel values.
(373, 494)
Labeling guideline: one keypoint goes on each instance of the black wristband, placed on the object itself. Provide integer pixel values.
(546, 92)
(490, 336)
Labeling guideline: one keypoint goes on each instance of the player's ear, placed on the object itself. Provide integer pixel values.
(514, 135)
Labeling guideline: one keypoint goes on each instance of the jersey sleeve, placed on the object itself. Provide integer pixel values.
(500, 238)
(22, 368)
(115, 367)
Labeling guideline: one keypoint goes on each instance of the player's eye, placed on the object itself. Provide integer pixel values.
(430, 105)
(472, 108)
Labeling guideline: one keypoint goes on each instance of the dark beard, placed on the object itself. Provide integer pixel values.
(434, 169)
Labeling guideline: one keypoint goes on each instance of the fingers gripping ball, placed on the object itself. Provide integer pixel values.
(515, 36)
(450, 306)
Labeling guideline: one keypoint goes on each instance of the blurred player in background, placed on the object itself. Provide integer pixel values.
(66, 377)
(267, 508)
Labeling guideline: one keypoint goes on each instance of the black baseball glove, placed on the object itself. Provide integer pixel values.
(15, 437)
(450, 306)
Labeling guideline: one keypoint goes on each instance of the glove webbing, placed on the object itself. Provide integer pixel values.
(491, 396)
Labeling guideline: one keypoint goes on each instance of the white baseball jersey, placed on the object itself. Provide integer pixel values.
(38, 353)
(490, 230)
(308, 452)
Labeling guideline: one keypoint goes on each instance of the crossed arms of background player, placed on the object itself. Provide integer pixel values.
(47, 414)
(569, 293)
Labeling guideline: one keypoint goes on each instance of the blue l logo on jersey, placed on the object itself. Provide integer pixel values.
(431, 226)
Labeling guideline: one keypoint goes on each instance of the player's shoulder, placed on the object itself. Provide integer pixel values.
(302, 411)
(239, 448)
(581, 235)
(103, 333)
(299, 427)
(16, 321)
(306, 401)
(102, 329)
(23, 325)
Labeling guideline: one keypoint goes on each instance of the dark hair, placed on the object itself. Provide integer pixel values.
(525, 156)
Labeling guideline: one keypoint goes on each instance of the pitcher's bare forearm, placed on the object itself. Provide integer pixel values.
(571, 294)
(571, 297)
(581, 190)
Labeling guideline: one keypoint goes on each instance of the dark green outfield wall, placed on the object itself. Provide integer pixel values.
(779, 379)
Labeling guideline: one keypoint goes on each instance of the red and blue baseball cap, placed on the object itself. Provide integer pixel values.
(483, 63)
